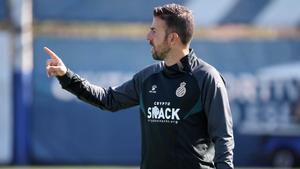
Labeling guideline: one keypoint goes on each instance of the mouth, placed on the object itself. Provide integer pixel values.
(151, 43)
(152, 47)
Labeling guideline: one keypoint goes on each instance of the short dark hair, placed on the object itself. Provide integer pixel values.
(178, 19)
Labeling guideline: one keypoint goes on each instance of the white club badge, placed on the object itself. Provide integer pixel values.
(181, 90)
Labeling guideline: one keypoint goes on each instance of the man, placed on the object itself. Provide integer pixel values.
(185, 115)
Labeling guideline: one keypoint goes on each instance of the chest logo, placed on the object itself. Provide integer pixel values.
(181, 90)
(153, 89)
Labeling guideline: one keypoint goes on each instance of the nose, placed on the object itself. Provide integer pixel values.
(149, 37)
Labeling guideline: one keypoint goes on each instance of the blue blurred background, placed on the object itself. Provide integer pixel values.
(255, 44)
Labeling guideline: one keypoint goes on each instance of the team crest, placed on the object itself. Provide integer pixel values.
(181, 90)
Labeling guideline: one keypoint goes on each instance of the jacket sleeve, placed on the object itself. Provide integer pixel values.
(110, 99)
(217, 109)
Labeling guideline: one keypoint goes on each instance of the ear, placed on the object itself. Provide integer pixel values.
(173, 38)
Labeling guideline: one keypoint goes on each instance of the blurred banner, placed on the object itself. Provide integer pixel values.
(262, 78)
(6, 113)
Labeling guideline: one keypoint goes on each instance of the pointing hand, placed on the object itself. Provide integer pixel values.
(54, 66)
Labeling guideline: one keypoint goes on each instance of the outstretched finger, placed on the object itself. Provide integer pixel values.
(51, 54)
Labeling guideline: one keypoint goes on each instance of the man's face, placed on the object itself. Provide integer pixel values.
(158, 39)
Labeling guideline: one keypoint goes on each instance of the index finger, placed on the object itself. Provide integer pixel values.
(51, 54)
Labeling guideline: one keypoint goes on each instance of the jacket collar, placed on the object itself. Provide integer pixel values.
(185, 65)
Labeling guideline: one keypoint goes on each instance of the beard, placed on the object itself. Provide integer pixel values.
(160, 51)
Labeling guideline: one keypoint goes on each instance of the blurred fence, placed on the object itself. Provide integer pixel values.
(279, 13)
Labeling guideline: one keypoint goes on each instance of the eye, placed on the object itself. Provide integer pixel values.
(152, 30)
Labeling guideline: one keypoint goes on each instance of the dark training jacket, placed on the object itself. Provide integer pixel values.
(186, 121)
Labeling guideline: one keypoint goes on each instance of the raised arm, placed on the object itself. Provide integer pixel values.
(111, 99)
